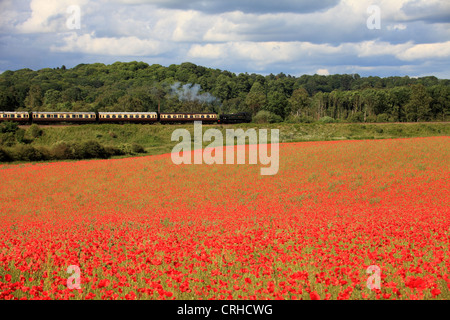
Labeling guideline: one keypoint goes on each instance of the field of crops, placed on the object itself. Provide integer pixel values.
(144, 228)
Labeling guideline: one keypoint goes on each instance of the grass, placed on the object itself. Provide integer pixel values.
(156, 139)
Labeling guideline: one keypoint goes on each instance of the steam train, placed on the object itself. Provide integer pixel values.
(44, 117)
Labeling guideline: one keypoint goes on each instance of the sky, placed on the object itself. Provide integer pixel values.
(369, 37)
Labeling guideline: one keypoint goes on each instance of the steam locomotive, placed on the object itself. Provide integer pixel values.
(44, 117)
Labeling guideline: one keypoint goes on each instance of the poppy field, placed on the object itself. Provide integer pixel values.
(145, 228)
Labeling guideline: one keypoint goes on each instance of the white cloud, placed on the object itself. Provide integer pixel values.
(378, 48)
(426, 51)
(265, 36)
(48, 16)
(400, 26)
(262, 52)
(323, 72)
(124, 46)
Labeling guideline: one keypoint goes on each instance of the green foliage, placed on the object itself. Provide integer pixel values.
(137, 148)
(299, 102)
(4, 156)
(8, 126)
(265, 116)
(383, 117)
(69, 142)
(34, 99)
(89, 150)
(327, 119)
(137, 86)
(256, 98)
(356, 117)
(299, 119)
(35, 131)
(29, 153)
(7, 139)
(20, 136)
(419, 107)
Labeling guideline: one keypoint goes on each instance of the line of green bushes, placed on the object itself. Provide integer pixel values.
(65, 151)
(15, 145)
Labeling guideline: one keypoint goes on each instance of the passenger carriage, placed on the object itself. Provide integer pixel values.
(16, 116)
(45, 117)
(127, 117)
(187, 117)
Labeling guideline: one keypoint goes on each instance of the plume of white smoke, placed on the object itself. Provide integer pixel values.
(192, 93)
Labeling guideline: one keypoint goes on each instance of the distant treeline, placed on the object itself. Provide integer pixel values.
(137, 86)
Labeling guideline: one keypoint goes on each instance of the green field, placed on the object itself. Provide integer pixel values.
(156, 139)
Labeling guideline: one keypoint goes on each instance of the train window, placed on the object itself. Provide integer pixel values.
(125, 116)
(207, 116)
(203, 116)
(185, 116)
(107, 116)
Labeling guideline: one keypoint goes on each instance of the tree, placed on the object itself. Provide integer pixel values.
(256, 98)
(398, 98)
(418, 108)
(33, 101)
(222, 89)
(131, 104)
(277, 103)
(299, 102)
(52, 97)
(158, 92)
